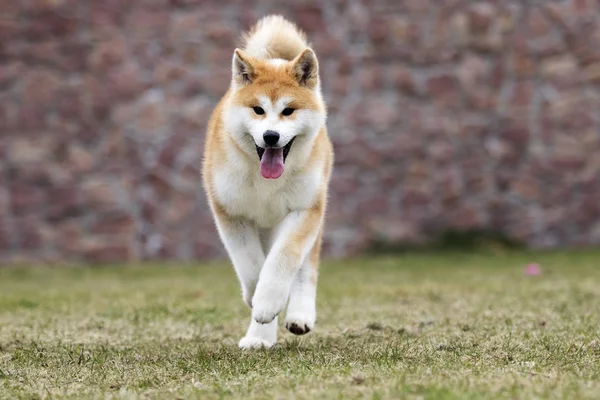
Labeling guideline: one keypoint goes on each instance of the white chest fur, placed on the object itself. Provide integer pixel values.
(245, 193)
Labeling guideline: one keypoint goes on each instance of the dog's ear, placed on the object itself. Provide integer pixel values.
(241, 68)
(305, 69)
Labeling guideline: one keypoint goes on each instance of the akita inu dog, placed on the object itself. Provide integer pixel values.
(266, 170)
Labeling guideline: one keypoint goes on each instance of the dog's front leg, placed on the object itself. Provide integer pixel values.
(242, 242)
(294, 238)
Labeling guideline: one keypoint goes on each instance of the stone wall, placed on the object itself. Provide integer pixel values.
(444, 114)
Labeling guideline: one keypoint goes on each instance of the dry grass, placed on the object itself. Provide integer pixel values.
(444, 326)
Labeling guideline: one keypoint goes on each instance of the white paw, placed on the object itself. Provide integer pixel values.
(264, 312)
(299, 323)
(248, 342)
(267, 304)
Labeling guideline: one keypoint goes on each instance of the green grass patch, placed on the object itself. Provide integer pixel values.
(416, 326)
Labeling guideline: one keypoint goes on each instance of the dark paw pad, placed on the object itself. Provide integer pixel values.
(297, 329)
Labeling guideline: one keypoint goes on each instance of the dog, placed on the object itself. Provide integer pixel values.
(266, 171)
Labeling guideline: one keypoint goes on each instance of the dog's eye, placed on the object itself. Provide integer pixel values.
(258, 110)
(287, 111)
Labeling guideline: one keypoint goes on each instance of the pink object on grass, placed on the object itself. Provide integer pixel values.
(533, 270)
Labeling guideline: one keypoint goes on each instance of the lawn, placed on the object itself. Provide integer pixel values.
(447, 326)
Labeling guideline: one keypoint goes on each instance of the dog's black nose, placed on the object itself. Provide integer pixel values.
(271, 138)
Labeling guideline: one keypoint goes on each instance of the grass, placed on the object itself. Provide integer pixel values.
(445, 326)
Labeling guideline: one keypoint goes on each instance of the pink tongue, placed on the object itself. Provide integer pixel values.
(271, 163)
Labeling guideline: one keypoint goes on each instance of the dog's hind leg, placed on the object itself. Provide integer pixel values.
(301, 311)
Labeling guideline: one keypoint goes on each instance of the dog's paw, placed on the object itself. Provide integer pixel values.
(299, 324)
(267, 303)
(249, 342)
(264, 312)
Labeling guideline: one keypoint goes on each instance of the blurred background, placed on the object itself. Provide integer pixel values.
(446, 116)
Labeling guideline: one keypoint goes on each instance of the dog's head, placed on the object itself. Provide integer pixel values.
(275, 108)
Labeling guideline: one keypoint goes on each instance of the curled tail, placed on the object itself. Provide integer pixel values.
(275, 37)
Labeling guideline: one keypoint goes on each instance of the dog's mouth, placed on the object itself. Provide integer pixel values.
(272, 159)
